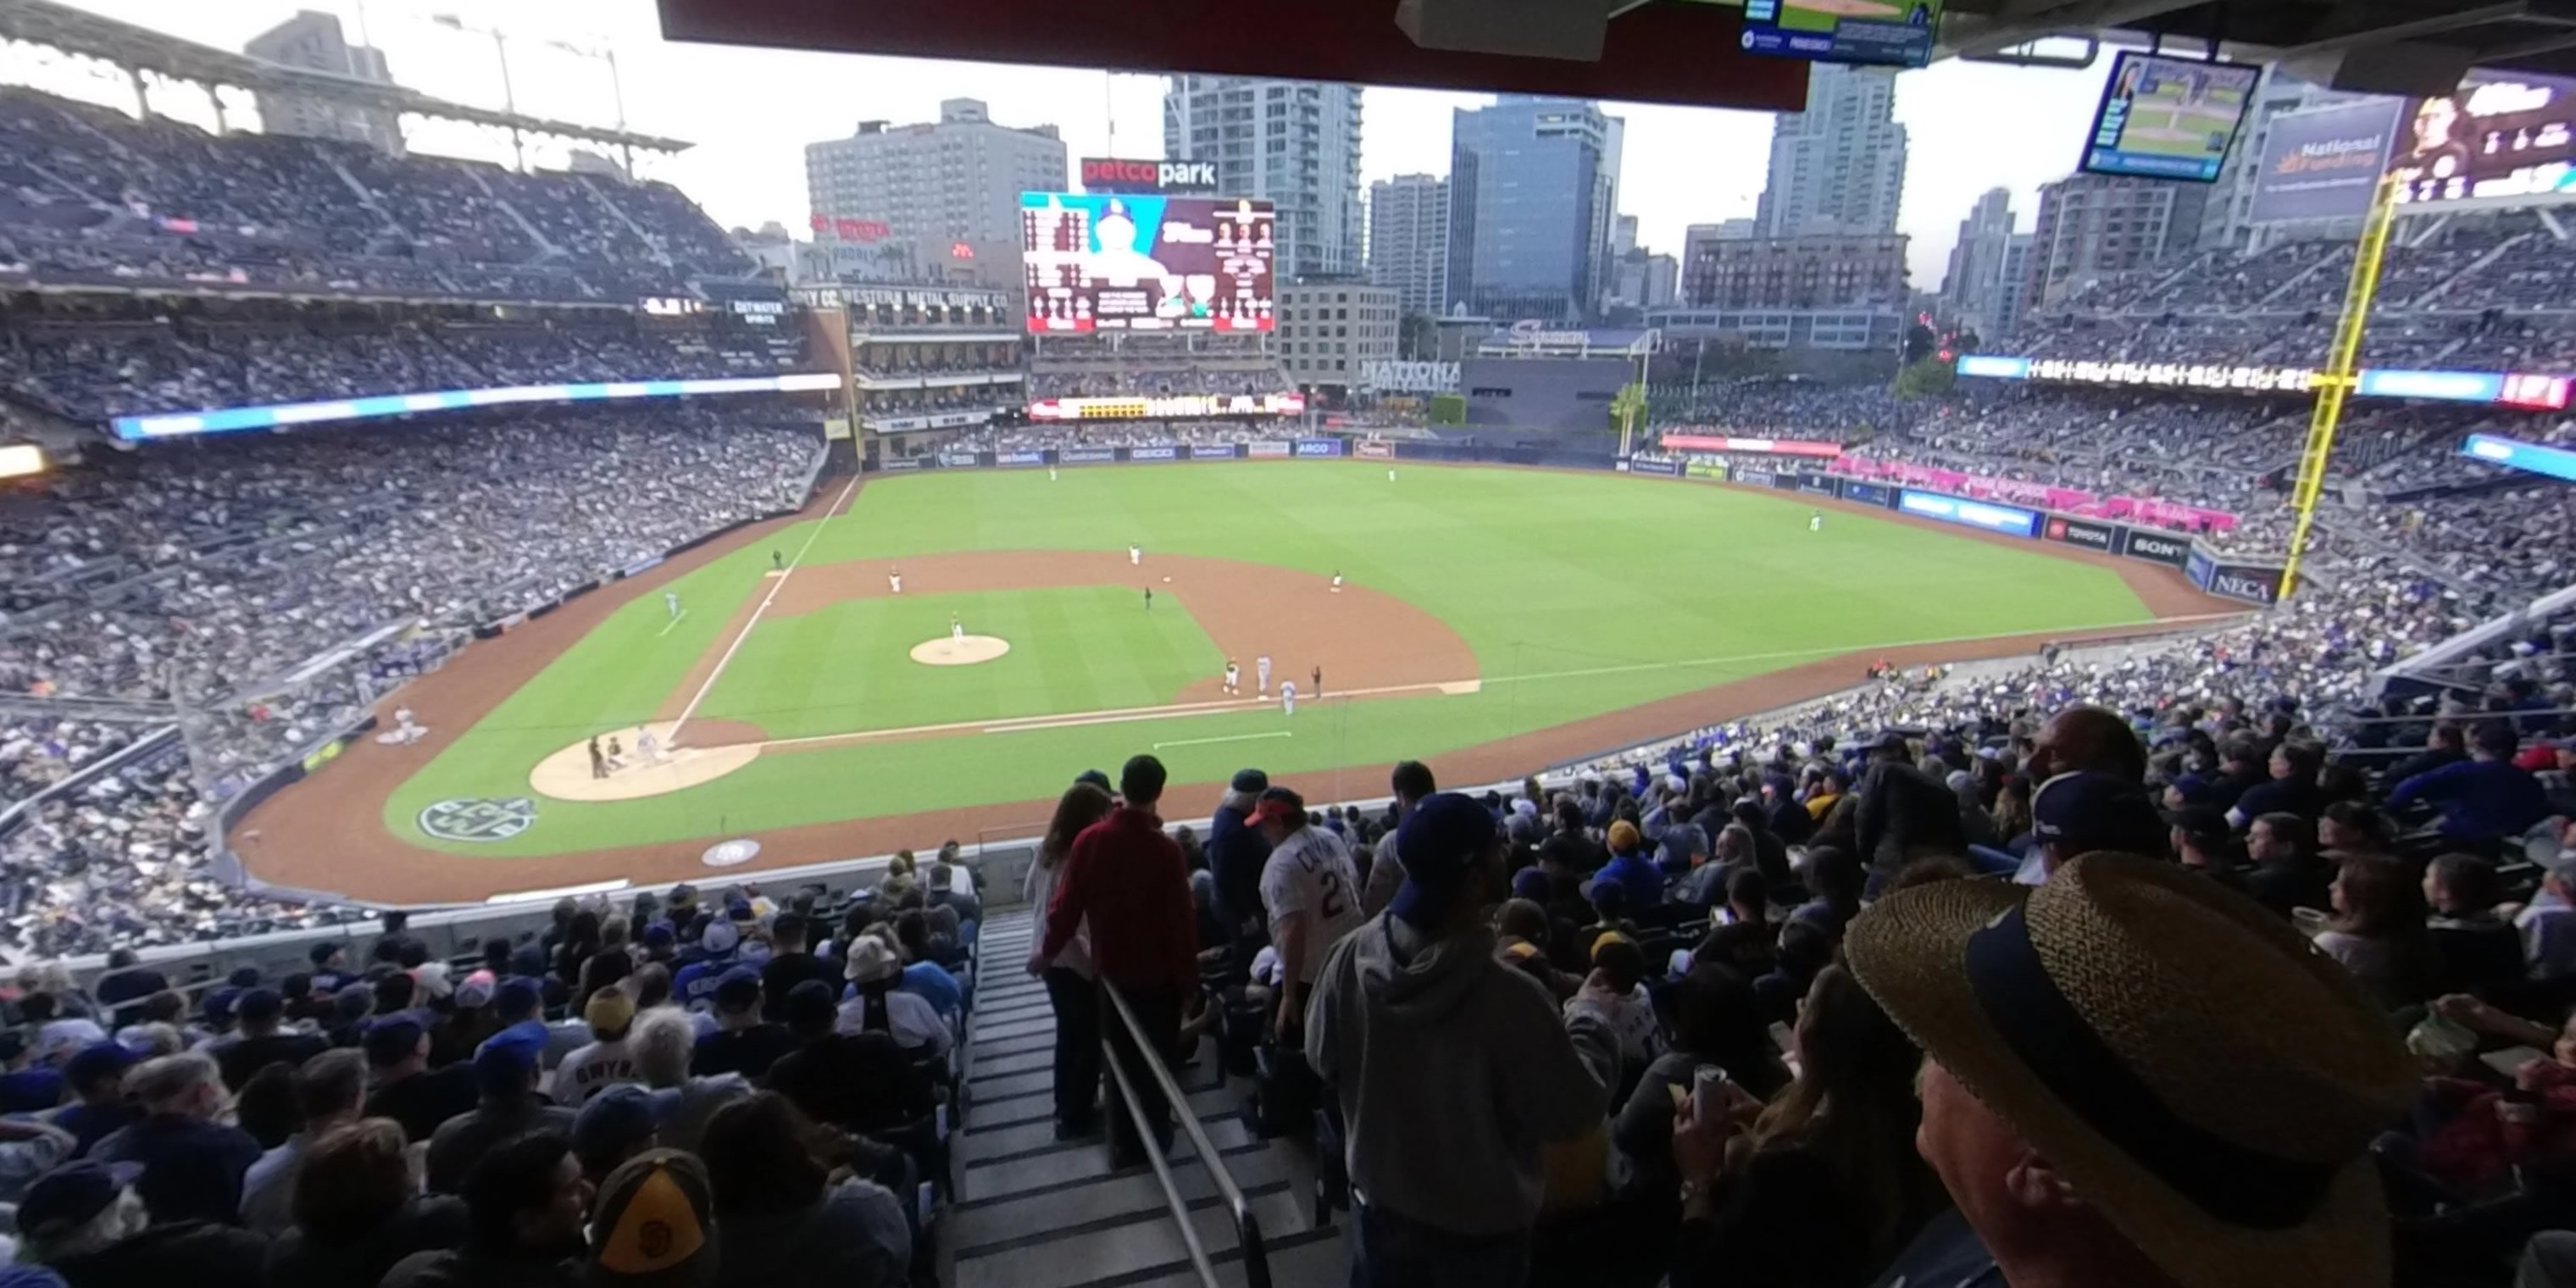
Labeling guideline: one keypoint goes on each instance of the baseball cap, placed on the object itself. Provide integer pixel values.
(2086, 811)
(1096, 778)
(740, 987)
(1280, 805)
(654, 1223)
(720, 936)
(2202, 823)
(616, 1118)
(683, 894)
(259, 1005)
(812, 1002)
(391, 1039)
(502, 1067)
(609, 1010)
(96, 1061)
(1442, 841)
(352, 1002)
(476, 992)
(1250, 782)
(517, 994)
(74, 1193)
(321, 952)
(1528, 883)
(658, 935)
(220, 1003)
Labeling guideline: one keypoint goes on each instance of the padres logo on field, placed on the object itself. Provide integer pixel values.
(479, 822)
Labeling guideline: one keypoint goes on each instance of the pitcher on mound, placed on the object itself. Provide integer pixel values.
(956, 629)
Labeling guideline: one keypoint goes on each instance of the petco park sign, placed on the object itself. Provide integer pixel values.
(1115, 174)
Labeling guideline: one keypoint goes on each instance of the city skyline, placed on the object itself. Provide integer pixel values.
(752, 111)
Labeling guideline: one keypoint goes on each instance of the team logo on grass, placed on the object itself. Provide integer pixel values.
(479, 822)
(727, 854)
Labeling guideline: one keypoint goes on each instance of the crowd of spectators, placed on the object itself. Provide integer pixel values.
(89, 370)
(117, 200)
(188, 581)
(1158, 380)
(728, 1090)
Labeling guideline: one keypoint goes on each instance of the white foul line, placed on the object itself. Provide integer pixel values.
(1240, 737)
(776, 585)
(673, 622)
(1446, 688)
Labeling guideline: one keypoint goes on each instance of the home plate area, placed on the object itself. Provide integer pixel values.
(960, 650)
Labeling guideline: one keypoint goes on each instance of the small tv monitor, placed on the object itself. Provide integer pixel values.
(2168, 118)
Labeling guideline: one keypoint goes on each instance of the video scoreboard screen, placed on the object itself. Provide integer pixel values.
(1889, 33)
(1122, 262)
(2168, 118)
(2503, 134)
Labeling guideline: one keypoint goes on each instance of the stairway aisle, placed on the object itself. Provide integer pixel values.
(1033, 1212)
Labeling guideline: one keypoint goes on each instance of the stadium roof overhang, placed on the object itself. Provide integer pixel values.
(89, 35)
(2382, 46)
(1672, 51)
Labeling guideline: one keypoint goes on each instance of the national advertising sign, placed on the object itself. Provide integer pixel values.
(1266, 448)
(1086, 455)
(2326, 163)
(1867, 493)
(1212, 452)
(1753, 478)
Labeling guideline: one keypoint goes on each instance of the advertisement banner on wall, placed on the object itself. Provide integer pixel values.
(1154, 452)
(1710, 470)
(1019, 458)
(2249, 583)
(958, 460)
(900, 464)
(1757, 446)
(1753, 478)
(1660, 469)
(1314, 448)
(1373, 450)
(1973, 514)
(1266, 448)
(1868, 493)
(2326, 163)
(1086, 455)
(1785, 482)
(1212, 452)
(2158, 547)
(2076, 532)
(1818, 485)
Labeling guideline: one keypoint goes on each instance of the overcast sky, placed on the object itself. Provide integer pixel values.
(751, 111)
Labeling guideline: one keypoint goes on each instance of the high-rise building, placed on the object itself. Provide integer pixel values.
(315, 42)
(1408, 240)
(2016, 289)
(1533, 204)
(933, 187)
(1978, 285)
(1330, 331)
(1839, 166)
(2091, 226)
(1295, 144)
(1799, 273)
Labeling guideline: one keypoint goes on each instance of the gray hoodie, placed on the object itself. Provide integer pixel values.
(1453, 1071)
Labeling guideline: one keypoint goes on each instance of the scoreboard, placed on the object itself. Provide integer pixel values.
(1134, 262)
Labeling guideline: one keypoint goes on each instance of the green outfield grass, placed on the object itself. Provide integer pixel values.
(1580, 594)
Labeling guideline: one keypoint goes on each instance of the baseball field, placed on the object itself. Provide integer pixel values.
(1490, 621)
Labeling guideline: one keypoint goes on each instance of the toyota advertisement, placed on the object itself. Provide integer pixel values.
(1135, 262)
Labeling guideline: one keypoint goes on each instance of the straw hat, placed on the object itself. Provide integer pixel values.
(2199, 1074)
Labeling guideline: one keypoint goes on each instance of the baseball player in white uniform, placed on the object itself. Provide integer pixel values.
(895, 579)
(1390, 474)
(647, 747)
(1816, 521)
(671, 600)
(1135, 554)
(1337, 581)
(1233, 677)
(1288, 697)
(956, 629)
(1261, 668)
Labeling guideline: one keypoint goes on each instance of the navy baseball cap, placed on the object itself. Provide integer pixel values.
(740, 987)
(503, 1066)
(220, 1003)
(658, 935)
(391, 1039)
(812, 1001)
(97, 1061)
(259, 1005)
(73, 1193)
(1441, 841)
(616, 1118)
(2083, 812)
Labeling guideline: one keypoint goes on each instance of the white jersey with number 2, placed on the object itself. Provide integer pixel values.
(1312, 871)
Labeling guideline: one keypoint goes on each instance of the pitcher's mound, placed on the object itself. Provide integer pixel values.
(952, 651)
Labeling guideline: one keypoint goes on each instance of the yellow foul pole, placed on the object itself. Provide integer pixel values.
(2342, 372)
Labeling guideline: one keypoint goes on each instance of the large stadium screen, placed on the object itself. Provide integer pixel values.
(1118, 262)
(2168, 118)
(2504, 134)
(1893, 33)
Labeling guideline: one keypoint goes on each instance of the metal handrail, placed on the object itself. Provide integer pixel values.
(1247, 1224)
